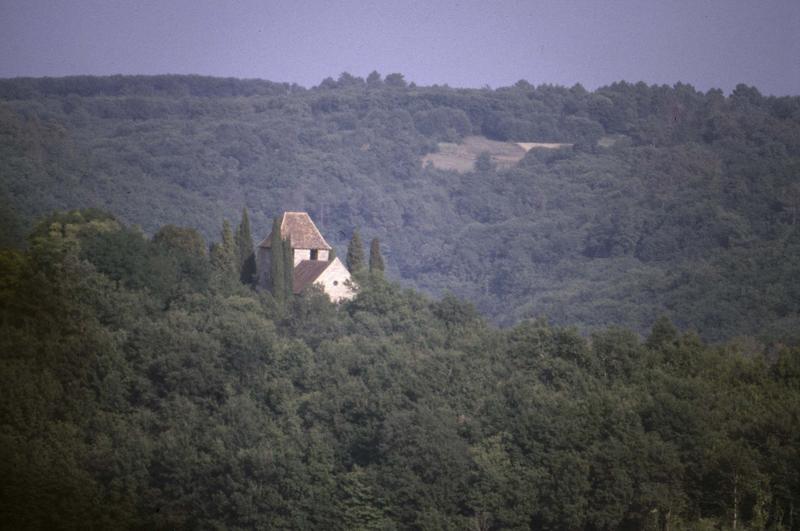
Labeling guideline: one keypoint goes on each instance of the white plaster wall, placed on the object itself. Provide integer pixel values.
(300, 255)
(305, 254)
(338, 273)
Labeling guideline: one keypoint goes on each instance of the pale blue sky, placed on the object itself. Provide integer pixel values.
(708, 43)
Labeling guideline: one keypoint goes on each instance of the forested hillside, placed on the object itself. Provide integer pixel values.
(143, 386)
(671, 201)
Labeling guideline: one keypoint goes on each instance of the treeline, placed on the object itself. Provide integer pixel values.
(144, 386)
(671, 201)
(168, 85)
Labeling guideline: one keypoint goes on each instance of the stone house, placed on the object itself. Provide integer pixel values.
(312, 263)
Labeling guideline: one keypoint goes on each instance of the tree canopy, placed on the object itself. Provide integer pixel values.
(136, 394)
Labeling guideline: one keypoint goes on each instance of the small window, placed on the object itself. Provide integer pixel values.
(335, 282)
(314, 254)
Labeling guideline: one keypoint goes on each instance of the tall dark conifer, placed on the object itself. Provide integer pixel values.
(245, 253)
(216, 257)
(223, 259)
(228, 241)
(355, 253)
(288, 269)
(375, 258)
(277, 275)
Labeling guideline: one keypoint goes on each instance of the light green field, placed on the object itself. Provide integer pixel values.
(461, 157)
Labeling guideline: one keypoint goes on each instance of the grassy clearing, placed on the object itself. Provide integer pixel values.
(461, 157)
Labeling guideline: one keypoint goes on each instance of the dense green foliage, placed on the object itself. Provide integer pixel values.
(140, 389)
(672, 201)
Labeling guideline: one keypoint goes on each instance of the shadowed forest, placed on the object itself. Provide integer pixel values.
(646, 376)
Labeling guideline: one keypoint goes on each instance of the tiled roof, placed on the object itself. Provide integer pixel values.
(306, 272)
(302, 231)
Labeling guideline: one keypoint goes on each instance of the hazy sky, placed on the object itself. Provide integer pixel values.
(470, 43)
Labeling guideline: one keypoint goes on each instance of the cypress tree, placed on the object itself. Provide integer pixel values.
(245, 253)
(355, 253)
(277, 275)
(228, 243)
(375, 258)
(223, 258)
(288, 269)
(216, 256)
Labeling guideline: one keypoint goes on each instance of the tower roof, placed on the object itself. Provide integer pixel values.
(301, 231)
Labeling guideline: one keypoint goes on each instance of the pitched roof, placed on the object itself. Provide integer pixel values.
(301, 230)
(306, 272)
